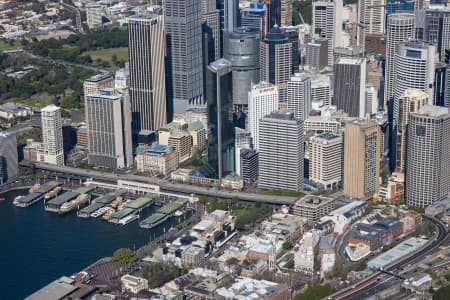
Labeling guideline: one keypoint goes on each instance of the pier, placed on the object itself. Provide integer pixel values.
(36, 194)
(162, 214)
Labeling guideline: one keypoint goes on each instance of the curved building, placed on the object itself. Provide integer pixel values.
(241, 48)
(428, 156)
(400, 28)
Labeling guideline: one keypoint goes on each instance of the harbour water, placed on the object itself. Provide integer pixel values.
(37, 246)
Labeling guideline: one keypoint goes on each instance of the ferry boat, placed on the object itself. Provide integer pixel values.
(34, 187)
(108, 214)
(179, 213)
(17, 200)
(68, 206)
(128, 219)
(52, 193)
(100, 212)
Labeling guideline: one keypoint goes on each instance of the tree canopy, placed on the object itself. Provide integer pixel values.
(124, 255)
(159, 273)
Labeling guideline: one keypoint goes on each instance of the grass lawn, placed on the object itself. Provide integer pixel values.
(106, 54)
(39, 101)
(282, 193)
(6, 46)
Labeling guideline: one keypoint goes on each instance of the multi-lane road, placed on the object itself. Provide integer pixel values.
(163, 184)
(381, 281)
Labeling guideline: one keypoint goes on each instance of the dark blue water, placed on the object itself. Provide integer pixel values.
(37, 247)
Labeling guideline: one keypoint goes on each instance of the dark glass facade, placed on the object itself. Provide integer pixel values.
(219, 96)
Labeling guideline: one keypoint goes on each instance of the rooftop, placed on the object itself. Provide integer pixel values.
(402, 249)
(433, 111)
(99, 77)
(313, 201)
(58, 289)
(50, 108)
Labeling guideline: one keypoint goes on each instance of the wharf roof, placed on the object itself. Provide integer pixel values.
(30, 197)
(123, 213)
(58, 289)
(140, 202)
(106, 199)
(85, 189)
(63, 198)
(169, 208)
(47, 186)
(155, 217)
(91, 208)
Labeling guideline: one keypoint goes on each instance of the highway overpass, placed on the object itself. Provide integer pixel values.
(164, 185)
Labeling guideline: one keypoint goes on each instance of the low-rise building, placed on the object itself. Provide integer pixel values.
(313, 207)
(133, 284)
(248, 288)
(376, 235)
(11, 111)
(158, 159)
(198, 134)
(304, 253)
(192, 257)
(233, 182)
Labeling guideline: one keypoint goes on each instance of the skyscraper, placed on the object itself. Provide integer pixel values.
(254, 15)
(211, 18)
(96, 83)
(362, 146)
(410, 102)
(219, 85)
(327, 23)
(9, 163)
(147, 75)
(108, 117)
(231, 14)
(52, 140)
(281, 152)
(400, 28)
(428, 156)
(350, 86)
(299, 95)
(413, 68)
(440, 79)
(285, 12)
(320, 91)
(242, 140)
(371, 14)
(437, 29)
(262, 100)
(184, 50)
(275, 60)
(241, 48)
(317, 54)
(325, 159)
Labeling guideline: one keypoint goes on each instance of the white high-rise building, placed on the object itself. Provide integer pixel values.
(299, 95)
(108, 116)
(413, 68)
(242, 140)
(327, 23)
(325, 159)
(371, 14)
(410, 102)
(281, 152)
(262, 100)
(146, 38)
(52, 139)
(320, 91)
(400, 28)
(427, 177)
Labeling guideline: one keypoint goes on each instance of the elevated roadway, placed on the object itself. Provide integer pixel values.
(163, 184)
